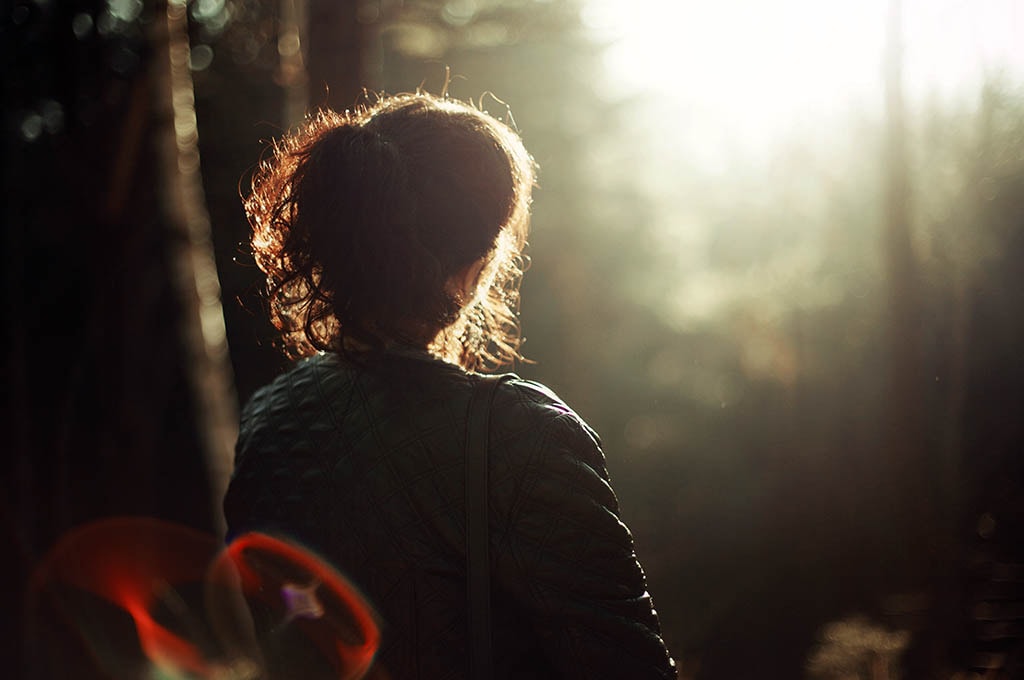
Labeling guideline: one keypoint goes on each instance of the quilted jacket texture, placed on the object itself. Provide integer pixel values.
(364, 463)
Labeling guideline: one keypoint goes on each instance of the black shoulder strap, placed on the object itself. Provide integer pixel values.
(478, 568)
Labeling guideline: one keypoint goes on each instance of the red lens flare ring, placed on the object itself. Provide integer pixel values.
(301, 588)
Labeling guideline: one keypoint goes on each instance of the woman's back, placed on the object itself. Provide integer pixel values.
(392, 239)
(364, 462)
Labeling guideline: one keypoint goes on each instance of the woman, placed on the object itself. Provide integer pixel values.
(391, 238)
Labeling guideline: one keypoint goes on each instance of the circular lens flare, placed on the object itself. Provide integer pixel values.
(296, 600)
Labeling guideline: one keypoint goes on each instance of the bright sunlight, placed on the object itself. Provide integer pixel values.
(753, 70)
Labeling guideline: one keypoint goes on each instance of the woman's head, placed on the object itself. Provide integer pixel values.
(371, 227)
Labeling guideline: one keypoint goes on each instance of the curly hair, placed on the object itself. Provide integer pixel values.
(362, 220)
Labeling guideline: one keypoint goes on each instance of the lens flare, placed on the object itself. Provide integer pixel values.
(140, 566)
(296, 599)
(146, 598)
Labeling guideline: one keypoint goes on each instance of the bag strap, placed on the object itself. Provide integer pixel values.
(478, 567)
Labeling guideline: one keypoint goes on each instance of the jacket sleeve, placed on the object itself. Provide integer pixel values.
(568, 560)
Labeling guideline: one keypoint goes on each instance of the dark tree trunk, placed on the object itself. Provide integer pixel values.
(334, 53)
(905, 411)
(100, 405)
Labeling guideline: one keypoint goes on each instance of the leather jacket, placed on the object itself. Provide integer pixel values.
(363, 461)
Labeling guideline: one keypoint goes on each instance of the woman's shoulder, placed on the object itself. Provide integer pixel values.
(541, 450)
(516, 395)
(536, 412)
(296, 380)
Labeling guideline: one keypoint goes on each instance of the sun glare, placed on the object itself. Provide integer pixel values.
(756, 69)
(736, 104)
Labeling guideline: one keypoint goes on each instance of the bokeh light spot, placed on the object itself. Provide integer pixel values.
(288, 44)
(32, 127)
(459, 12)
(19, 15)
(106, 24)
(203, 10)
(81, 25)
(200, 57)
(124, 10)
(53, 116)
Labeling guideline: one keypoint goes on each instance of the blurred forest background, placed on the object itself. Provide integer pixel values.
(777, 258)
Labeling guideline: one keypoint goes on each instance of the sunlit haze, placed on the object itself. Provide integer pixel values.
(722, 94)
(751, 70)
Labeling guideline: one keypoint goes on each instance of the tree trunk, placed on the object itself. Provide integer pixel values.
(193, 266)
(334, 53)
(905, 415)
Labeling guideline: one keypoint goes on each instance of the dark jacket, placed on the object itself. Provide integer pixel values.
(364, 463)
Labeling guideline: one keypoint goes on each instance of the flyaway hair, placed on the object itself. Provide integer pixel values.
(361, 219)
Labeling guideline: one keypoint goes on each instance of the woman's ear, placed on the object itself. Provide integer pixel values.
(463, 283)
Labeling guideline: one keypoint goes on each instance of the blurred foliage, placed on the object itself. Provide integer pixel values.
(429, 29)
